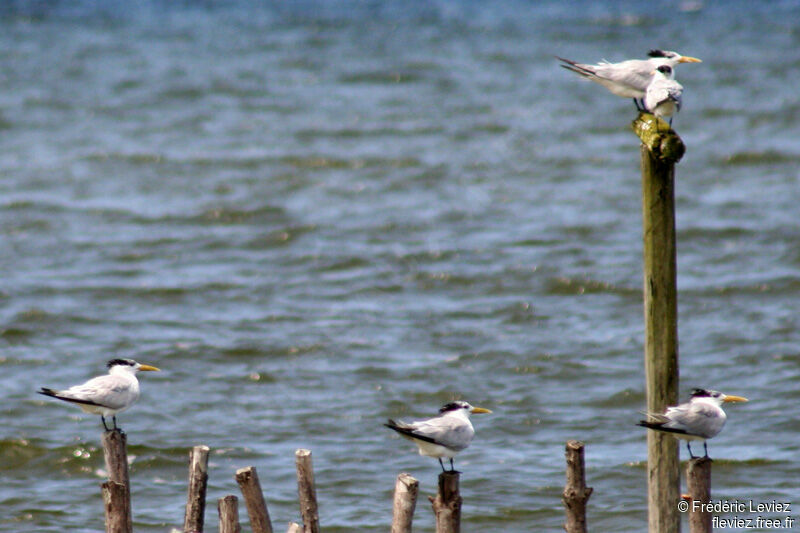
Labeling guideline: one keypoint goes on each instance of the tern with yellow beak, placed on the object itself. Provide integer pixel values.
(627, 79)
(105, 395)
(444, 435)
(701, 418)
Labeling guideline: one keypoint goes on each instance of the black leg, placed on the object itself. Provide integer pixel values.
(104, 422)
(114, 418)
(442, 464)
(452, 468)
(636, 103)
(705, 449)
(689, 447)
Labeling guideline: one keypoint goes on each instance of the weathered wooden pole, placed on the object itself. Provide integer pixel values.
(117, 490)
(698, 482)
(447, 504)
(307, 491)
(115, 497)
(247, 478)
(576, 493)
(661, 149)
(196, 498)
(228, 508)
(405, 501)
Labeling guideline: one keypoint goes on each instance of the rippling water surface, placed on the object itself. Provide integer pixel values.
(317, 215)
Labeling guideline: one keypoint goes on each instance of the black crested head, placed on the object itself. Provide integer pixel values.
(120, 362)
(665, 69)
(704, 393)
(659, 53)
(454, 406)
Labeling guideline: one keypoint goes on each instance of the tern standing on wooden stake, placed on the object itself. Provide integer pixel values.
(444, 435)
(105, 395)
(627, 79)
(700, 418)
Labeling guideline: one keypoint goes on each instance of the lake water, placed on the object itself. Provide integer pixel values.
(317, 215)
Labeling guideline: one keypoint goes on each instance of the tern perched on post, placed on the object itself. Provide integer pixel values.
(444, 435)
(664, 95)
(628, 79)
(105, 395)
(700, 418)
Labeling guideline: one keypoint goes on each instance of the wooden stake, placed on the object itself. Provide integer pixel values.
(405, 500)
(114, 498)
(660, 152)
(447, 504)
(196, 499)
(698, 481)
(117, 491)
(247, 478)
(228, 508)
(306, 491)
(576, 493)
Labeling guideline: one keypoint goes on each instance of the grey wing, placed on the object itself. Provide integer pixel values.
(114, 392)
(633, 73)
(453, 434)
(703, 420)
(656, 94)
(678, 417)
(675, 93)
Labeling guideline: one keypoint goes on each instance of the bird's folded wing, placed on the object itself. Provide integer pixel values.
(657, 94)
(623, 76)
(697, 419)
(676, 95)
(407, 430)
(446, 432)
(112, 392)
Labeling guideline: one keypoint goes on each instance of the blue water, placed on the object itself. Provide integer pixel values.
(314, 216)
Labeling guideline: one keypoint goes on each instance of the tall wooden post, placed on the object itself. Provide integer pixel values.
(698, 482)
(447, 504)
(117, 490)
(661, 149)
(576, 493)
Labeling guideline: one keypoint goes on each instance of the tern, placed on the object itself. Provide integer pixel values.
(663, 97)
(444, 435)
(700, 418)
(105, 395)
(628, 79)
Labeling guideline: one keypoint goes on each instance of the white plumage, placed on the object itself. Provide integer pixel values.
(664, 95)
(627, 79)
(105, 395)
(444, 435)
(700, 418)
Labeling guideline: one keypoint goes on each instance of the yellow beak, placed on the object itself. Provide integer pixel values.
(480, 411)
(687, 59)
(728, 399)
(149, 368)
